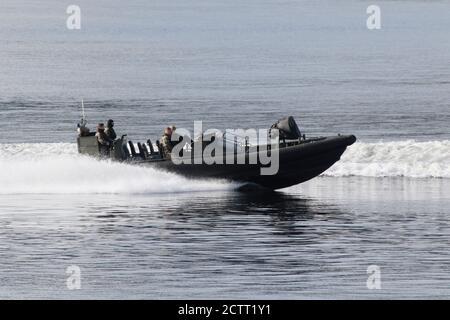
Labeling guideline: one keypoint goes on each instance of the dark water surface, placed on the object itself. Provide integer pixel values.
(139, 233)
(311, 242)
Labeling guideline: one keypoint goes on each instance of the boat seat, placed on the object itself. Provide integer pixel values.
(150, 145)
(132, 149)
(158, 145)
(144, 147)
(142, 151)
(125, 151)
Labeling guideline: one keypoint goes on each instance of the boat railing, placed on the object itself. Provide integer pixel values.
(239, 140)
(240, 143)
(243, 142)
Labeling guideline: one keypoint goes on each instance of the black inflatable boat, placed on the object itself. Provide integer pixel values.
(297, 158)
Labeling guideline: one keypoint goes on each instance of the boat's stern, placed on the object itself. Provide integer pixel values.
(88, 145)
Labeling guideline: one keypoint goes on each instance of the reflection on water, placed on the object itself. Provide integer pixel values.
(315, 240)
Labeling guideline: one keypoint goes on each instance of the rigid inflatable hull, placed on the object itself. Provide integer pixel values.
(297, 164)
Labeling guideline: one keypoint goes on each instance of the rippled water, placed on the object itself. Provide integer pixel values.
(310, 242)
(140, 233)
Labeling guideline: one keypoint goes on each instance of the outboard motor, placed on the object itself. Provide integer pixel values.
(287, 128)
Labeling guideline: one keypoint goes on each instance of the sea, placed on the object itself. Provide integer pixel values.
(376, 225)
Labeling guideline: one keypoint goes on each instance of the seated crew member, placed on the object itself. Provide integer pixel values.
(109, 131)
(166, 143)
(104, 142)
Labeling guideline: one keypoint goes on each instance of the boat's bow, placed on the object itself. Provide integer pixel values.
(302, 162)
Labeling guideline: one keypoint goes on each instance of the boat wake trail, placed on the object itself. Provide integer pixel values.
(409, 158)
(58, 169)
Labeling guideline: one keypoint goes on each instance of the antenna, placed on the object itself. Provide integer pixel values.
(83, 114)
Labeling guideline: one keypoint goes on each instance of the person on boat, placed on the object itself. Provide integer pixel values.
(174, 138)
(109, 131)
(104, 142)
(166, 143)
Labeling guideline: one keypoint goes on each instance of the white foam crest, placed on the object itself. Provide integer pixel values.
(58, 169)
(408, 158)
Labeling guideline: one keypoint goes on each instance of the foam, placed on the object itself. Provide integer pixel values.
(57, 168)
(408, 158)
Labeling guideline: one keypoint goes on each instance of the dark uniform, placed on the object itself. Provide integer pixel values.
(109, 131)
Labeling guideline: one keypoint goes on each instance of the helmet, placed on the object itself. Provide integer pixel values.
(110, 123)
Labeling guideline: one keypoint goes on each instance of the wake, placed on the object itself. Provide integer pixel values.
(58, 168)
(409, 158)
